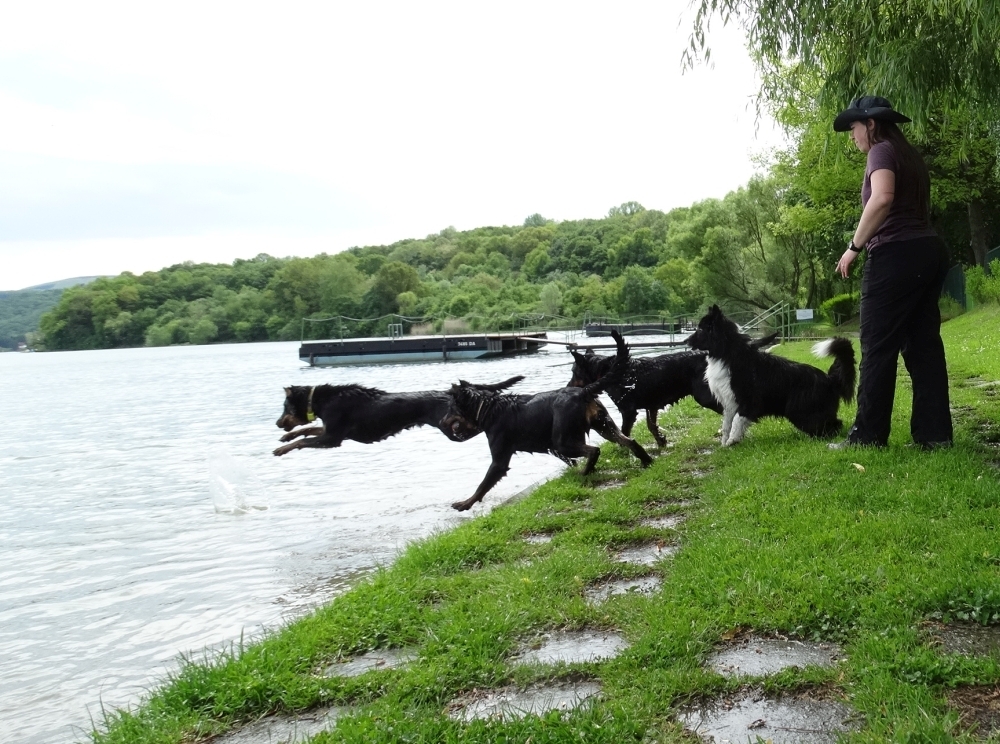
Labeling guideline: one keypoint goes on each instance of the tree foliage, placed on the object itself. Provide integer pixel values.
(622, 264)
(20, 312)
(776, 239)
(941, 56)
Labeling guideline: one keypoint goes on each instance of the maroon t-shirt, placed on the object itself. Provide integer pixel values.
(904, 221)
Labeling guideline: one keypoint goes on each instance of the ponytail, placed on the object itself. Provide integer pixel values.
(913, 173)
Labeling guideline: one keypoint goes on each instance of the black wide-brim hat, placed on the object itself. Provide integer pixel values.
(867, 107)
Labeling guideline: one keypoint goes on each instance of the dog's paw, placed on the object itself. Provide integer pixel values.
(288, 437)
(282, 450)
(461, 506)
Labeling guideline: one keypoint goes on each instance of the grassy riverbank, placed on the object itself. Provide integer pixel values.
(781, 535)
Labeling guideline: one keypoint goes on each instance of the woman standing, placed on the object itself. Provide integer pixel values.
(904, 271)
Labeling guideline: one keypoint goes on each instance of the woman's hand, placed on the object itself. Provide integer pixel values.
(844, 264)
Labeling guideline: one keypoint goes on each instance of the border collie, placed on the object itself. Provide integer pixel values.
(751, 384)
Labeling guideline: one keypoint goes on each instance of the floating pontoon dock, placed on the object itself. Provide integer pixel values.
(418, 348)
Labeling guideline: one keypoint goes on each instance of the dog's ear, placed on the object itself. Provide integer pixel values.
(288, 392)
(577, 356)
(590, 353)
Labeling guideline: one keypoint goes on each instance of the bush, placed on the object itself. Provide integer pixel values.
(841, 307)
(983, 287)
(949, 307)
(163, 335)
(204, 332)
(460, 305)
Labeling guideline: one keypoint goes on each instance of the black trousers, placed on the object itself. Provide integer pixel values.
(899, 314)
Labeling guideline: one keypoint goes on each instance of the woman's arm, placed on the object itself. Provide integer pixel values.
(876, 210)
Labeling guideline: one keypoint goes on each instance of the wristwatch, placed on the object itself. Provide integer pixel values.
(852, 247)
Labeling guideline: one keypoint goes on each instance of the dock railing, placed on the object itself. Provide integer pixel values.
(777, 316)
(780, 317)
(397, 326)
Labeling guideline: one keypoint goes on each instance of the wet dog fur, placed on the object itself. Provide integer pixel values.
(363, 414)
(651, 384)
(556, 421)
(752, 384)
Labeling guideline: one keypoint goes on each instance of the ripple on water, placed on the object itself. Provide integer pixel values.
(113, 557)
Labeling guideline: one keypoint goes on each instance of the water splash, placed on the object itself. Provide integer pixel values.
(234, 487)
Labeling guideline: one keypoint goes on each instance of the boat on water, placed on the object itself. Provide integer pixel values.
(383, 350)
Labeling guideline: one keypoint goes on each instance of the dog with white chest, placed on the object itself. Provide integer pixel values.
(751, 384)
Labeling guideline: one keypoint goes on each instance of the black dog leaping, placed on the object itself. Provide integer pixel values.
(653, 383)
(556, 421)
(363, 414)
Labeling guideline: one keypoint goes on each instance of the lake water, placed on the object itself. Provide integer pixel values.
(142, 515)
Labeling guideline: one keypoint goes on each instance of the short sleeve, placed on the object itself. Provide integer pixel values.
(881, 157)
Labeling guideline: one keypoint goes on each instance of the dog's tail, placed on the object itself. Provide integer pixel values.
(496, 387)
(843, 372)
(760, 343)
(618, 369)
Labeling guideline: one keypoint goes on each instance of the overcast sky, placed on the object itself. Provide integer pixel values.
(137, 135)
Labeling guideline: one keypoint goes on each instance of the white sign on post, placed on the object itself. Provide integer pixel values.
(804, 314)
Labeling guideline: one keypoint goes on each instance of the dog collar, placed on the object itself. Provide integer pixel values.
(480, 409)
(310, 416)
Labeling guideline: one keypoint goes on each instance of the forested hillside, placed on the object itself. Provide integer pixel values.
(20, 312)
(634, 261)
(776, 239)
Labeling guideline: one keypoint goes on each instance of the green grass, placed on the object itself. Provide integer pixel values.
(782, 535)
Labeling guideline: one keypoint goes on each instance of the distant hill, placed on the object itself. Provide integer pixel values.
(20, 311)
(62, 283)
